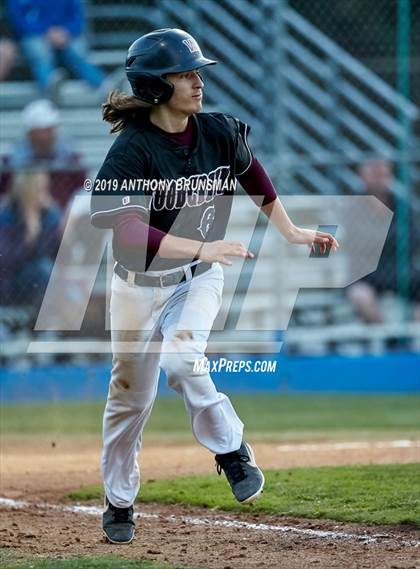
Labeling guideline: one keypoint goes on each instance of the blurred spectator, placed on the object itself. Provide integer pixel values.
(29, 239)
(42, 145)
(80, 251)
(377, 178)
(8, 47)
(48, 30)
(8, 54)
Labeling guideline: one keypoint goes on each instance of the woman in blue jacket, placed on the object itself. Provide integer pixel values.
(30, 233)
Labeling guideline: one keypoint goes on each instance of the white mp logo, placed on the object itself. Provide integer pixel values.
(192, 45)
(126, 200)
(295, 272)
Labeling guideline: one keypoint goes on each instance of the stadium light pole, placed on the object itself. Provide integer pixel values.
(403, 173)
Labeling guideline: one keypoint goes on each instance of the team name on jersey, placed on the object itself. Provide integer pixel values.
(191, 191)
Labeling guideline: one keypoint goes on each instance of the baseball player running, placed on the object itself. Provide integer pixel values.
(165, 189)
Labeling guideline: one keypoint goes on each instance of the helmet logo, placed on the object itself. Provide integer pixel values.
(192, 45)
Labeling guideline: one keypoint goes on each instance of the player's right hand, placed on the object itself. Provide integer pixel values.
(218, 251)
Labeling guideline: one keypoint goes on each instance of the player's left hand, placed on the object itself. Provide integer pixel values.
(309, 237)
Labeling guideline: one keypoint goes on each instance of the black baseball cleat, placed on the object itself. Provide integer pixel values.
(242, 472)
(118, 524)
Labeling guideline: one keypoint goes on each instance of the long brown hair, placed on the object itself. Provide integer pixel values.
(120, 108)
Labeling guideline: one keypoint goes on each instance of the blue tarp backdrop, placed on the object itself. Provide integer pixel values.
(392, 373)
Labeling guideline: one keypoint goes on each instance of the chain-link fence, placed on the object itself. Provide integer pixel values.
(375, 32)
(331, 91)
(382, 37)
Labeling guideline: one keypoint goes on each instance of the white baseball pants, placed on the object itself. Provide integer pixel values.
(154, 327)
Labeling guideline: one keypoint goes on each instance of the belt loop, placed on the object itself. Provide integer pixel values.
(131, 275)
(188, 273)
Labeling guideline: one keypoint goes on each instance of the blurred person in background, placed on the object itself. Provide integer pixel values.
(49, 31)
(377, 179)
(42, 145)
(8, 55)
(8, 48)
(30, 230)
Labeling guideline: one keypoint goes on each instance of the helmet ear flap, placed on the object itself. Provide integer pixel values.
(152, 89)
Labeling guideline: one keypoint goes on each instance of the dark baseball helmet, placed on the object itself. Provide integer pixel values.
(153, 55)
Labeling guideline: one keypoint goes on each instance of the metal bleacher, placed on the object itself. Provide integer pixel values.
(315, 111)
(273, 63)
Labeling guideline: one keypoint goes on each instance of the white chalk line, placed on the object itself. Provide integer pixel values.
(356, 445)
(310, 533)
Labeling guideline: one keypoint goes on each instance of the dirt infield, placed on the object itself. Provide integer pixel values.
(42, 471)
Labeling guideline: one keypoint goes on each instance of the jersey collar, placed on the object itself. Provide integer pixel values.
(163, 140)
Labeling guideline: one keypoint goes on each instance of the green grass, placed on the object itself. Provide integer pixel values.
(265, 416)
(12, 560)
(378, 494)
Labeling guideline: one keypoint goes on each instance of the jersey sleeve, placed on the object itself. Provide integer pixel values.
(117, 189)
(243, 154)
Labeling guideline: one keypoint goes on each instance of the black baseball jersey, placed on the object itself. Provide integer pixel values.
(183, 191)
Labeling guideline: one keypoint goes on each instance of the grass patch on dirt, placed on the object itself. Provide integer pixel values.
(378, 494)
(14, 560)
(265, 416)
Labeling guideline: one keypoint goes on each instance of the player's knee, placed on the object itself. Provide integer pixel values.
(124, 371)
(177, 367)
(120, 407)
(183, 336)
(174, 365)
(121, 384)
(179, 357)
(124, 378)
